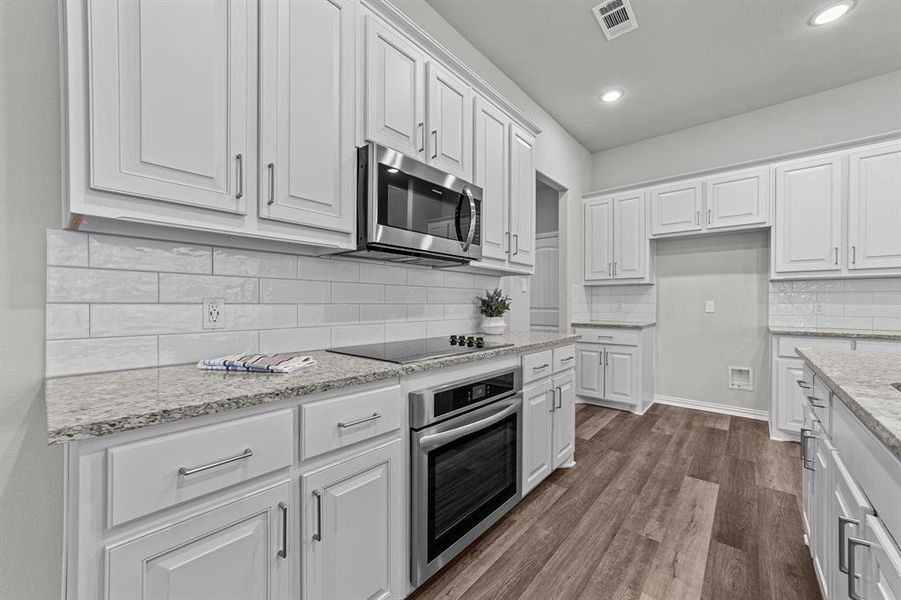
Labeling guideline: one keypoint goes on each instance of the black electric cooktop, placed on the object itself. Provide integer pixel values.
(409, 351)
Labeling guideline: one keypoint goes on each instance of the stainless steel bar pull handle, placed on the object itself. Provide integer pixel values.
(372, 417)
(421, 136)
(271, 167)
(814, 401)
(609, 268)
(567, 359)
(803, 384)
(836, 255)
(507, 249)
(515, 244)
(853, 255)
(559, 398)
(318, 535)
(853, 543)
(191, 470)
(553, 394)
(435, 143)
(467, 193)
(843, 523)
(239, 166)
(806, 462)
(539, 367)
(709, 216)
(614, 268)
(698, 217)
(283, 551)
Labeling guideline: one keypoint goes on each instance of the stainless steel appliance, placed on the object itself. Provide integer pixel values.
(409, 212)
(409, 351)
(466, 464)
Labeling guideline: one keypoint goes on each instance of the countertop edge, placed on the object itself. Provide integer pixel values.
(613, 324)
(858, 334)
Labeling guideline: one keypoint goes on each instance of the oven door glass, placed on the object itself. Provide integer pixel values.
(468, 479)
(413, 204)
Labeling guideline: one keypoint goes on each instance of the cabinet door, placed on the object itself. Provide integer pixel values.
(351, 528)
(739, 198)
(537, 452)
(522, 196)
(307, 153)
(598, 224)
(564, 434)
(676, 208)
(395, 90)
(822, 542)
(169, 91)
(789, 397)
(449, 122)
(880, 564)
(621, 377)
(490, 165)
(808, 499)
(874, 213)
(630, 237)
(590, 370)
(851, 506)
(807, 227)
(236, 551)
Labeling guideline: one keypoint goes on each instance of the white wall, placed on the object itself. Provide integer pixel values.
(695, 348)
(30, 470)
(861, 109)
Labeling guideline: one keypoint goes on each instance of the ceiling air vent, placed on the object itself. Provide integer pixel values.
(615, 17)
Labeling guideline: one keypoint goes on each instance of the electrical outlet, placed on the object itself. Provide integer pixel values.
(709, 306)
(618, 307)
(819, 308)
(213, 313)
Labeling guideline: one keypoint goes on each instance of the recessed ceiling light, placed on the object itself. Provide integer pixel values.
(831, 13)
(392, 170)
(612, 95)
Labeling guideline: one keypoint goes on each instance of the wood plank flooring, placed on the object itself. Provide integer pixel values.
(676, 504)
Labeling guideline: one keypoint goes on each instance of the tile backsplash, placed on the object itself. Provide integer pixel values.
(121, 303)
(836, 304)
(635, 303)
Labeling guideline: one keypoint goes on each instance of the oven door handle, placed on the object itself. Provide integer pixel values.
(435, 440)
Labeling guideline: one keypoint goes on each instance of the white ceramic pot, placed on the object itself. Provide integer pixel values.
(493, 325)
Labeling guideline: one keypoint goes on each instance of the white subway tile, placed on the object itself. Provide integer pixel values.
(354, 335)
(781, 286)
(67, 321)
(295, 291)
(357, 293)
(177, 288)
(322, 269)
(401, 294)
(458, 280)
(792, 309)
(260, 316)
(460, 311)
(888, 299)
(872, 310)
(117, 320)
(425, 277)
(395, 332)
(274, 341)
(873, 285)
(250, 263)
(329, 314)
(835, 322)
(191, 347)
(67, 248)
(425, 312)
(382, 313)
(450, 296)
(455, 326)
(887, 323)
(489, 282)
(68, 284)
(376, 273)
(72, 357)
(113, 252)
(793, 297)
(793, 321)
(818, 285)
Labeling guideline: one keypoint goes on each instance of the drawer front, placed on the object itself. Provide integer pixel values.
(621, 337)
(537, 365)
(337, 422)
(564, 358)
(787, 345)
(153, 474)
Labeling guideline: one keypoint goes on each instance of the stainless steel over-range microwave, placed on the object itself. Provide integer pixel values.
(412, 213)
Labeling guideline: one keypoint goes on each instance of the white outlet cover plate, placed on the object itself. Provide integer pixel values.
(213, 313)
(710, 306)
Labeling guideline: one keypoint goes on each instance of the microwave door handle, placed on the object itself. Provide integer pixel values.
(435, 440)
(472, 218)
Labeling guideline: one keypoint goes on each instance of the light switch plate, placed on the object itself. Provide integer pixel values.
(709, 306)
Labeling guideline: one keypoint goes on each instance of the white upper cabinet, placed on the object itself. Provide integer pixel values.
(676, 207)
(307, 152)
(598, 223)
(737, 198)
(522, 196)
(490, 167)
(449, 122)
(630, 236)
(807, 233)
(874, 208)
(395, 90)
(168, 111)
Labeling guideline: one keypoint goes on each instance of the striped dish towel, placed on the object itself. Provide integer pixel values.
(258, 363)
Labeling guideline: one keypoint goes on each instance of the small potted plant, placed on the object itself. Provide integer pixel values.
(493, 306)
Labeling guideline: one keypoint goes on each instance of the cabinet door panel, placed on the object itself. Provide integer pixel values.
(676, 208)
(356, 511)
(874, 213)
(822, 539)
(395, 90)
(882, 566)
(522, 196)
(738, 199)
(537, 402)
(590, 371)
(449, 122)
(490, 165)
(849, 502)
(229, 552)
(564, 434)
(807, 228)
(306, 113)
(169, 110)
(789, 397)
(630, 237)
(598, 224)
(621, 377)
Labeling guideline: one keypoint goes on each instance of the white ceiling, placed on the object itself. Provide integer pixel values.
(689, 61)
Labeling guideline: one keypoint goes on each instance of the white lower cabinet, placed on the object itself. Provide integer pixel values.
(788, 410)
(564, 418)
(538, 431)
(615, 367)
(239, 550)
(351, 529)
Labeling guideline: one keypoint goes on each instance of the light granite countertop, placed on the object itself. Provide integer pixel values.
(615, 324)
(860, 334)
(87, 406)
(862, 381)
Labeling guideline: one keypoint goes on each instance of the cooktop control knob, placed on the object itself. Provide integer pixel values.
(480, 342)
(470, 341)
(453, 340)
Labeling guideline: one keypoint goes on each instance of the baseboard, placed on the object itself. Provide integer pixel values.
(725, 409)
